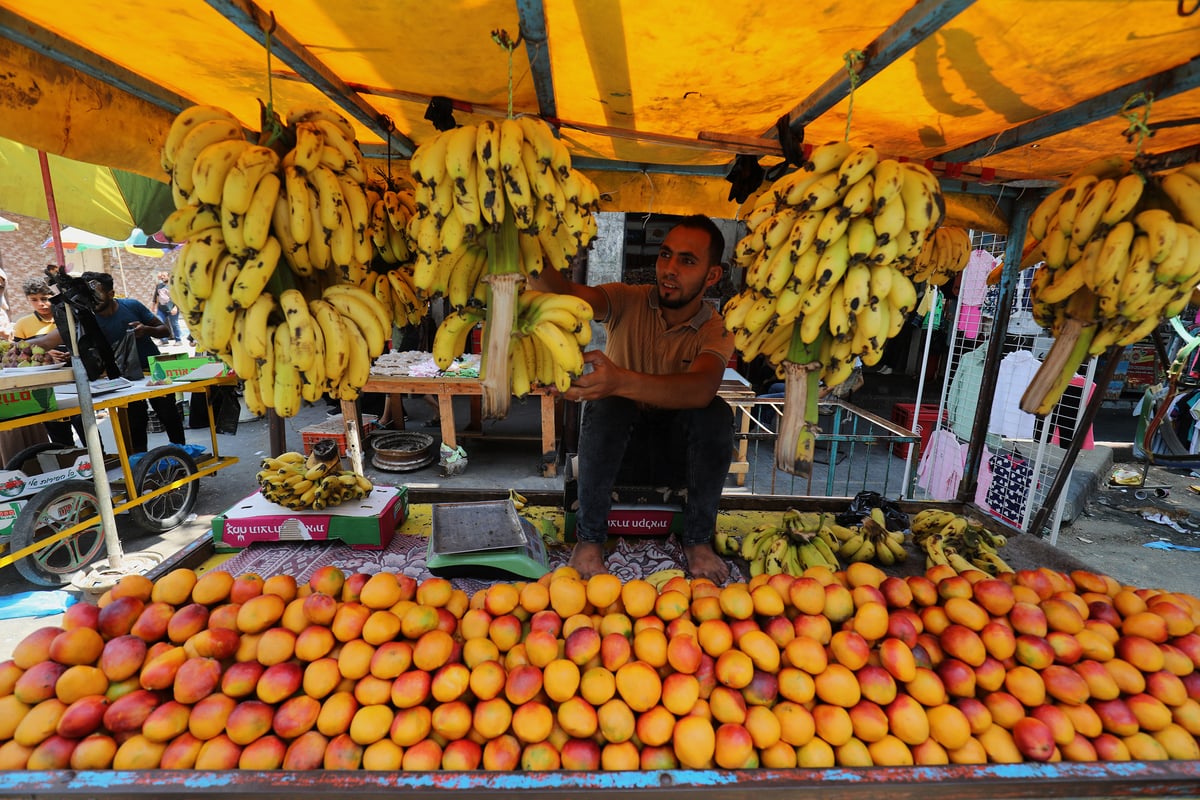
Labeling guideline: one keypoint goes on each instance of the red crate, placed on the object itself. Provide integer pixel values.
(902, 415)
(333, 428)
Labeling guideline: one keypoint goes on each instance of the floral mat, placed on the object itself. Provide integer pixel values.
(628, 557)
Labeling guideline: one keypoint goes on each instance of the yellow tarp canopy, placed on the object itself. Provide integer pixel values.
(641, 82)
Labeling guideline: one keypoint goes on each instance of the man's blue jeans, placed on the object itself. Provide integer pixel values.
(700, 440)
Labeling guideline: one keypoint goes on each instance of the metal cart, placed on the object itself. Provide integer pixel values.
(59, 532)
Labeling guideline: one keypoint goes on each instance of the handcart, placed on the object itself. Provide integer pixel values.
(58, 532)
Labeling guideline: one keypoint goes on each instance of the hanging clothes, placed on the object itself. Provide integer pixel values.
(972, 292)
(941, 469)
(1012, 379)
(964, 392)
(1008, 493)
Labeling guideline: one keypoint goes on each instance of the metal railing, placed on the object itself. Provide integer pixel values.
(855, 451)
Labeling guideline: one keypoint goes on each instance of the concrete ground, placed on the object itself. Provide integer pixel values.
(1110, 534)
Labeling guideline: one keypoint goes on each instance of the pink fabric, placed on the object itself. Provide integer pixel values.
(973, 287)
(941, 468)
(985, 479)
(1089, 441)
(969, 319)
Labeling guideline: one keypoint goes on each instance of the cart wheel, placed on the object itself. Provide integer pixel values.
(159, 467)
(55, 508)
(29, 452)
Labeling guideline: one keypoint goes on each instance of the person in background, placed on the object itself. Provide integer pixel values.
(6, 325)
(657, 379)
(116, 318)
(164, 307)
(41, 321)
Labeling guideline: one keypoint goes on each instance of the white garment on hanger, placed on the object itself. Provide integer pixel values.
(1007, 419)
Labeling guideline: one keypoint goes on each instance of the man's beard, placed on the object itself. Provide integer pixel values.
(680, 302)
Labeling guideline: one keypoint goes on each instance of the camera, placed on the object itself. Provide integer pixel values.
(74, 290)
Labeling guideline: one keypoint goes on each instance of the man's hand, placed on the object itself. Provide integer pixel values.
(602, 381)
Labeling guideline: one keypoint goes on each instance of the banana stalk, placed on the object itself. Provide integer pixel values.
(796, 442)
(504, 280)
(1070, 348)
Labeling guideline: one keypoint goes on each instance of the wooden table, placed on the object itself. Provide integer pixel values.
(446, 389)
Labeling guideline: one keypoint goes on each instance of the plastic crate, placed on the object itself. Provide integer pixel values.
(902, 415)
(333, 428)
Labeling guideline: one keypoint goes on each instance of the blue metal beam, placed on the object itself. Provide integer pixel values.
(1165, 84)
(537, 48)
(22, 32)
(919, 22)
(254, 22)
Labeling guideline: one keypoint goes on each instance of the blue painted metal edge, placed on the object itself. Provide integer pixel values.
(250, 19)
(1165, 84)
(1173, 777)
(537, 48)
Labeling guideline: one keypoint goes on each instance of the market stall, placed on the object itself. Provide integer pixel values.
(946, 106)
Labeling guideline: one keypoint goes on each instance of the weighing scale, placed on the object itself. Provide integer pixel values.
(484, 539)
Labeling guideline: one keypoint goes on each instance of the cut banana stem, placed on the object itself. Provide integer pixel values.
(796, 441)
(504, 281)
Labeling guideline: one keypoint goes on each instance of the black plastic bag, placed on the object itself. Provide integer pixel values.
(129, 361)
(226, 409)
(862, 504)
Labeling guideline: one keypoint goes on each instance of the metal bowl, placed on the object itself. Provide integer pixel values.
(401, 451)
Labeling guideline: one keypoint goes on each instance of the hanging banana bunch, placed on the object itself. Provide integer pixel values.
(828, 261)
(1119, 252)
(495, 202)
(296, 334)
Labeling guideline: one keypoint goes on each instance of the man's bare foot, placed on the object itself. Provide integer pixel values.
(588, 559)
(703, 562)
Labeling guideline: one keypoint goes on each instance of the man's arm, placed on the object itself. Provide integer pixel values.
(692, 389)
(551, 280)
(147, 324)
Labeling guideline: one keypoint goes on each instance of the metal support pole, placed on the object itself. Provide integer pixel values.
(91, 435)
(1112, 357)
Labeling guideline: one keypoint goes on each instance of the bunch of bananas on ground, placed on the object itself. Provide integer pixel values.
(946, 253)
(951, 539)
(471, 179)
(295, 335)
(1119, 252)
(870, 540)
(315, 481)
(801, 539)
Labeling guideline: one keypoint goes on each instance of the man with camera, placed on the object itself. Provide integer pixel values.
(115, 318)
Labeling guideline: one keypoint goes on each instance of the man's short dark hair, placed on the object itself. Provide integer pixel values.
(35, 286)
(716, 239)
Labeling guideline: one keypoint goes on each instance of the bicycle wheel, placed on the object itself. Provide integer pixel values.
(51, 510)
(16, 461)
(160, 467)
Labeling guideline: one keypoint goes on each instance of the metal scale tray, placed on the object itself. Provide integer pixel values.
(480, 539)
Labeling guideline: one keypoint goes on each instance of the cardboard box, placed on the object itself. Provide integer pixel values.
(636, 510)
(23, 402)
(366, 524)
(176, 366)
(49, 468)
(333, 428)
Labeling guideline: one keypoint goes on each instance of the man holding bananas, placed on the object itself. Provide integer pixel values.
(655, 387)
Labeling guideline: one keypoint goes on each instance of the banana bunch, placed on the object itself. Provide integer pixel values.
(241, 209)
(470, 179)
(799, 541)
(546, 348)
(830, 249)
(391, 210)
(871, 540)
(1119, 252)
(659, 579)
(395, 292)
(950, 539)
(297, 482)
(945, 254)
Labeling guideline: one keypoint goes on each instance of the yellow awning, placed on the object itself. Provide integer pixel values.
(633, 82)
